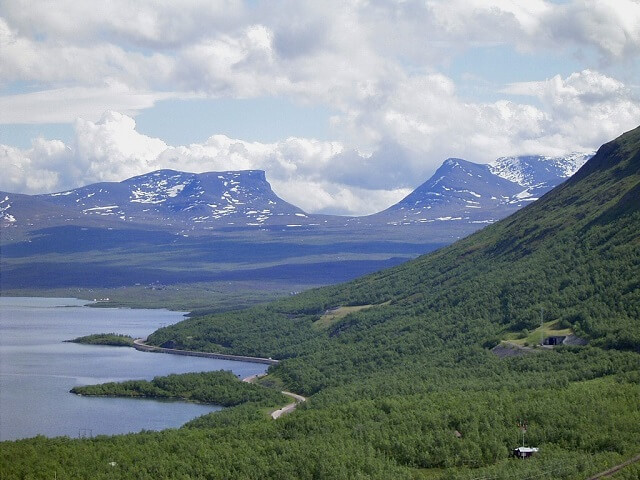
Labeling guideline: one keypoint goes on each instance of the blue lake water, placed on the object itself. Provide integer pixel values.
(37, 370)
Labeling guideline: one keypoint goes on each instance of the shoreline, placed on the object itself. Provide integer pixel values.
(139, 344)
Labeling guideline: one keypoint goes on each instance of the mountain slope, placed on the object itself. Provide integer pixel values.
(405, 386)
(458, 191)
(575, 253)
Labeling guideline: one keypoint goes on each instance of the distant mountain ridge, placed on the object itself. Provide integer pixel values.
(460, 192)
(167, 198)
(169, 227)
(167, 195)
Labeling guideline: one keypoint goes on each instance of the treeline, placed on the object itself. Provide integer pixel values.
(218, 387)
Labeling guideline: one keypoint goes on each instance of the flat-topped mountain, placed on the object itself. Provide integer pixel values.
(166, 197)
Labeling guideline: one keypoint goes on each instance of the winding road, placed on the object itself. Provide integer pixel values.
(139, 344)
(297, 399)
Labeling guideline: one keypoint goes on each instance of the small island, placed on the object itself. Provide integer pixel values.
(112, 339)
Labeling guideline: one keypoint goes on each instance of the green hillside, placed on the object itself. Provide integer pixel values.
(408, 387)
(574, 253)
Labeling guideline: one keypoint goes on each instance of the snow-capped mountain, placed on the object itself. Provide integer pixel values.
(465, 192)
(167, 195)
(163, 198)
(460, 197)
(170, 227)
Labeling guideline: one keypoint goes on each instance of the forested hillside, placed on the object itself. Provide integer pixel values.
(574, 254)
(406, 386)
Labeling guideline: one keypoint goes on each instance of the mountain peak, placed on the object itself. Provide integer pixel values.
(464, 192)
(454, 162)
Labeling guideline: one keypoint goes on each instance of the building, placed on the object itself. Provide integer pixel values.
(524, 452)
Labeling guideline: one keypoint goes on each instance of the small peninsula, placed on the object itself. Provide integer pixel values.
(112, 339)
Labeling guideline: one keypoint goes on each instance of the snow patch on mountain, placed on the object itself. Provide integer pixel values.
(536, 170)
(4, 211)
(192, 200)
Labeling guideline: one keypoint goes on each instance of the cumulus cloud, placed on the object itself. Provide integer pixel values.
(301, 170)
(416, 126)
(53, 62)
(152, 23)
(429, 121)
(33, 170)
(331, 51)
(377, 65)
(583, 109)
(613, 28)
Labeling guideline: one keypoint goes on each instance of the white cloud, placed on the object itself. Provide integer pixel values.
(335, 198)
(65, 105)
(416, 126)
(327, 51)
(376, 64)
(34, 170)
(613, 28)
(583, 110)
(152, 23)
(112, 149)
(430, 122)
(60, 64)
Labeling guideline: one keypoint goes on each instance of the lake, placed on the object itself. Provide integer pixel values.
(37, 370)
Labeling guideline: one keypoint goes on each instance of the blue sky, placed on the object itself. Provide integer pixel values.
(346, 105)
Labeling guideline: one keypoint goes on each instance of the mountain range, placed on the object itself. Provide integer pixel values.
(188, 203)
(175, 228)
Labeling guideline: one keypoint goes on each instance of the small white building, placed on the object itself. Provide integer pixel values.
(524, 452)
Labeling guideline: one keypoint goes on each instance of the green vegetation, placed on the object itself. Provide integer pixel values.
(391, 385)
(220, 388)
(113, 339)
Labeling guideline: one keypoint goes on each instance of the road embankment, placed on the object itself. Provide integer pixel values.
(139, 344)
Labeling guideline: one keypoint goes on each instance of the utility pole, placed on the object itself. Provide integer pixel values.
(541, 327)
(522, 424)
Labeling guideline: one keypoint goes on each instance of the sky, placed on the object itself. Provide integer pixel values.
(347, 105)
